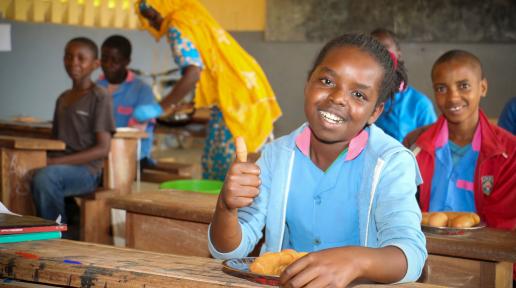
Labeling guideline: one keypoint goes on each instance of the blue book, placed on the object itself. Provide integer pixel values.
(10, 238)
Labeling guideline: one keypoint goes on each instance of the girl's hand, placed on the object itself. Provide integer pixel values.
(242, 183)
(335, 267)
(241, 186)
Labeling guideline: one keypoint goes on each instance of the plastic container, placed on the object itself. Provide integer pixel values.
(194, 185)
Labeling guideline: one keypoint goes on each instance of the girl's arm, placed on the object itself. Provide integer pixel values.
(337, 267)
(240, 188)
(191, 75)
(99, 151)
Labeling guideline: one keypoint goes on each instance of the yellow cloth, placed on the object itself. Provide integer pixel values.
(231, 78)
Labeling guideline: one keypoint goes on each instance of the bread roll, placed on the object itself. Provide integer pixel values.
(450, 219)
(438, 219)
(275, 263)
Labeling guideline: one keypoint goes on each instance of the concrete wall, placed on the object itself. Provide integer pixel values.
(32, 74)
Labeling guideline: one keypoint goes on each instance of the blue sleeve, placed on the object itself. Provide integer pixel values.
(145, 95)
(184, 51)
(397, 214)
(251, 218)
(507, 119)
(426, 113)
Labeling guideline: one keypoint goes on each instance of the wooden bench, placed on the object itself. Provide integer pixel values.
(118, 176)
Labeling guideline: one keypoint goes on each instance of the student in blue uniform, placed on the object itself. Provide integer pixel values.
(337, 187)
(507, 119)
(409, 109)
(127, 90)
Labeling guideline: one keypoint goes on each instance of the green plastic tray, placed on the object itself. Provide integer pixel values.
(194, 185)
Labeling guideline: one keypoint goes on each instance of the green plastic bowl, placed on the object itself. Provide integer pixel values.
(194, 185)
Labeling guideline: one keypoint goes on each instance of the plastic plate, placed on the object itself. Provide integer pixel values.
(240, 268)
(451, 230)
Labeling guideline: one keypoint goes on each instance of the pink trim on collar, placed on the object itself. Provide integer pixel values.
(130, 76)
(356, 145)
(442, 137)
(477, 138)
(303, 141)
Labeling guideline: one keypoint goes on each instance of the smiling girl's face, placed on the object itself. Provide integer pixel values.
(341, 94)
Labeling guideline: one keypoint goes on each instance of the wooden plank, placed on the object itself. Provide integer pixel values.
(130, 134)
(17, 170)
(484, 244)
(166, 235)
(107, 266)
(459, 272)
(150, 175)
(31, 143)
(181, 205)
(33, 130)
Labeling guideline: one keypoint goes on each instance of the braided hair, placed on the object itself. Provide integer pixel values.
(401, 69)
(390, 83)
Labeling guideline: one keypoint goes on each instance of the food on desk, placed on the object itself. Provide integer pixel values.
(450, 219)
(275, 263)
(26, 119)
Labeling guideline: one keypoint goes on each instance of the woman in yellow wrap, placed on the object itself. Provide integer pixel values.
(224, 76)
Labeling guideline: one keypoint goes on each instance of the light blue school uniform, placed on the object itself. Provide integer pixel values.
(320, 196)
(409, 110)
(387, 211)
(454, 174)
(131, 93)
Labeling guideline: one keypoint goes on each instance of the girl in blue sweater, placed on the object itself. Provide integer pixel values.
(337, 187)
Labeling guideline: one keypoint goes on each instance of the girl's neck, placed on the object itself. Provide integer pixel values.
(324, 154)
(462, 133)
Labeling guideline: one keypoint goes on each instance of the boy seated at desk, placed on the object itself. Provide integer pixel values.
(127, 91)
(83, 119)
(467, 163)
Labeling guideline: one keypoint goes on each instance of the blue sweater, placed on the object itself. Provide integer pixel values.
(388, 212)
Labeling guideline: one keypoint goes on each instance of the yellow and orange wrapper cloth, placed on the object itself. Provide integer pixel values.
(231, 78)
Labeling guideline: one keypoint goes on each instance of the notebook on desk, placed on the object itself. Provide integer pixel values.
(20, 224)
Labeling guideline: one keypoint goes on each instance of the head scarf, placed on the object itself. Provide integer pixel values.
(231, 78)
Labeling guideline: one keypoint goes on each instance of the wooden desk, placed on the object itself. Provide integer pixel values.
(19, 157)
(167, 221)
(481, 258)
(124, 145)
(107, 266)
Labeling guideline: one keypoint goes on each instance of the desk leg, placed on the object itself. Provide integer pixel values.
(124, 152)
(16, 176)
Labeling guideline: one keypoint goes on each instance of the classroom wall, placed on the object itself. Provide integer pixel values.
(32, 74)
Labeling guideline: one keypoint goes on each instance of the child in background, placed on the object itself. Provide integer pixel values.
(409, 108)
(507, 119)
(126, 90)
(338, 186)
(83, 119)
(467, 163)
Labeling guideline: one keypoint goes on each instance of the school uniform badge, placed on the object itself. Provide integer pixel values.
(487, 184)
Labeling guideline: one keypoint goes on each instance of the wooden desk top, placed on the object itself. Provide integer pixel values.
(484, 244)
(191, 206)
(89, 264)
(44, 130)
(26, 143)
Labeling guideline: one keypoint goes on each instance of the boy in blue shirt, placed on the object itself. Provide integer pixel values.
(409, 108)
(507, 119)
(337, 187)
(127, 90)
